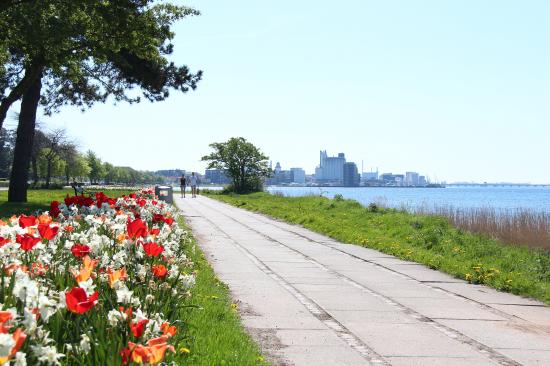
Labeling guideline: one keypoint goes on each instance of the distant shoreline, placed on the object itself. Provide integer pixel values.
(329, 186)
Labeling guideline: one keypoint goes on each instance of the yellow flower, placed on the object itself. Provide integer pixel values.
(468, 277)
(184, 350)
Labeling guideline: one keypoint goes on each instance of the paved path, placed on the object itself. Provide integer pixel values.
(310, 300)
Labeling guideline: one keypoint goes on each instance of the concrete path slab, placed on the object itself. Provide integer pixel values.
(310, 300)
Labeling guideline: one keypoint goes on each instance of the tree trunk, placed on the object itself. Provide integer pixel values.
(19, 90)
(23, 143)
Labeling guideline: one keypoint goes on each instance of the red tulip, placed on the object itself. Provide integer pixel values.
(78, 301)
(159, 270)
(3, 241)
(137, 328)
(25, 221)
(80, 250)
(153, 249)
(27, 241)
(136, 229)
(54, 209)
(47, 231)
(158, 218)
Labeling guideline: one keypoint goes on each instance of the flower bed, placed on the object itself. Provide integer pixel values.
(94, 281)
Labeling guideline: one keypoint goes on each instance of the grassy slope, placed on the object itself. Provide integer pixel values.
(214, 334)
(424, 239)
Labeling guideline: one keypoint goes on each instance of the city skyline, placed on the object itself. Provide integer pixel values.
(459, 91)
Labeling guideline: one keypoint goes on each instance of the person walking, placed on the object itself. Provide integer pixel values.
(183, 184)
(193, 182)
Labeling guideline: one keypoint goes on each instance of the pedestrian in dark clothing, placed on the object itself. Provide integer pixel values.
(183, 184)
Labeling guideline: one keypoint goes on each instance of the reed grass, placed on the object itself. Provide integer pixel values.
(511, 226)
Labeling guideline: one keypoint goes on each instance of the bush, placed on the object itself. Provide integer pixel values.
(373, 207)
(338, 197)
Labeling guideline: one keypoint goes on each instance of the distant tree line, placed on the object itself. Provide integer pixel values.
(55, 160)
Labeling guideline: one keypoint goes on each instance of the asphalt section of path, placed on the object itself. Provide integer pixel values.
(310, 300)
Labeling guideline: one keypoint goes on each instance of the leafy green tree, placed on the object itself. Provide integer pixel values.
(110, 173)
(76, 165)
(50, 166)
(95, 165)
(59, 52)
(245, 164)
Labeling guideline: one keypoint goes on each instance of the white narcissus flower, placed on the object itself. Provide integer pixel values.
(116, 316)
(85, 343)
(47, 354)
(88, 286)
(68, 244)
(46, 306)
(25, 289)
(6, 344)
(139, 316)
(62, 303)
(29, 321)
(124, 296)
(20, 359)
(141, 272)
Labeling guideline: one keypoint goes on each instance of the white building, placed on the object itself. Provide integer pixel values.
(331, 169)
(369, 176)
(298, 175)
(411, 179)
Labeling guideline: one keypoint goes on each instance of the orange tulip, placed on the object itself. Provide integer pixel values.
(168, 329)
(45, 219)
(31, 231)
(86, 269)
(153, 353)
(117, 275)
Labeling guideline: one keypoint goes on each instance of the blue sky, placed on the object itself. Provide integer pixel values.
(457, 90)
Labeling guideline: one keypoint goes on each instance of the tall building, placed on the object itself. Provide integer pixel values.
(411, 179)
(351, 175)
(331, 169)
(422, 181)
(298, 175)
(278, 167)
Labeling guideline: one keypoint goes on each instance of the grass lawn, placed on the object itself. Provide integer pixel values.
(425, 239)
(212, 333)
